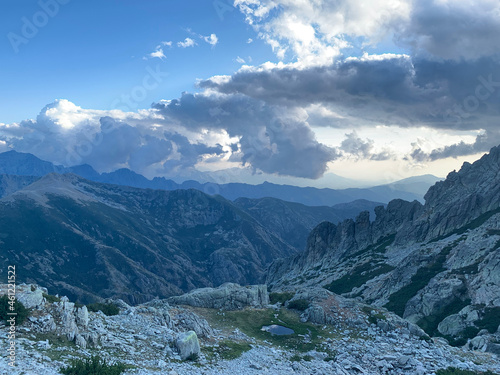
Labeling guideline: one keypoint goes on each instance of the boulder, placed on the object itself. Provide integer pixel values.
(187, 344)
(228, 296)
(452, 325)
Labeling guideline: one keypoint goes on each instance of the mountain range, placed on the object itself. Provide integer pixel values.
(414, 188)
(94, 240)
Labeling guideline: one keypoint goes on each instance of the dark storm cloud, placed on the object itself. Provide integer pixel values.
(452, 29)
(393, 91)
(272, 139)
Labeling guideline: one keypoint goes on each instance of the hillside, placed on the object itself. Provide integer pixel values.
(436, 264)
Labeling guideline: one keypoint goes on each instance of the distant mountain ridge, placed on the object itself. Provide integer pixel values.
(14, 163)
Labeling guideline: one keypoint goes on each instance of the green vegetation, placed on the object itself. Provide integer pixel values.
(298, 358)
(108, 309)
(193, 357)
(50, 298)
(490, 319)
(280, 297)
(379, 247)
(298, 304)
(231, 350)
(357, 277)
(456, 371)
(94, 365)
(398, 300)
(251, 321)
(8, 306)
(430, 323)
(373, 317)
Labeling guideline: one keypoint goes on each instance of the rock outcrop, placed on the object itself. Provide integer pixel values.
(228, 296)
(437, 264)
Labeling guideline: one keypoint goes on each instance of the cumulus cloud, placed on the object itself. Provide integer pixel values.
(317, 32)
(362, 149)
(483, 143)
(314, 32)
(211, 39)
(272, 139)
(67, 134)
(175, 135)
(188, 42)
(158, 53)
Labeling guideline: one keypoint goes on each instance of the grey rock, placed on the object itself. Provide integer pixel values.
(187, 344)
(228, 296)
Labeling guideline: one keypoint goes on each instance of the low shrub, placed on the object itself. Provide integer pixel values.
(50, 298)
(94, 365)
(456, 371)
(108, 309)
(8, 307)
(298, 304)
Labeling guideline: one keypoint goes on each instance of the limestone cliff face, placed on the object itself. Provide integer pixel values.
(426, 262)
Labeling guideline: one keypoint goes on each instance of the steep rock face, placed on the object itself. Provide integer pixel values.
(435, 264)
(328, 243)
(293, 221)
(94, 240)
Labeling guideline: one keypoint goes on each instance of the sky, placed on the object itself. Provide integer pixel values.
(288, 91)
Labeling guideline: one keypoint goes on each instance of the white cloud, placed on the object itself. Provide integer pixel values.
(240, 60)
(249, 41)
(314, 32)
(188, 42)
(211, 39)
(317, 32)
(158, 53)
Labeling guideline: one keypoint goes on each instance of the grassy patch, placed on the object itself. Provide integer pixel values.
(94, 365)
(250, 322)
(280, 297)
(231, 350)
(357, 277)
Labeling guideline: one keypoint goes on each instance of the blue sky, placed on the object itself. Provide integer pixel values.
(91, 52)
(373, 91)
